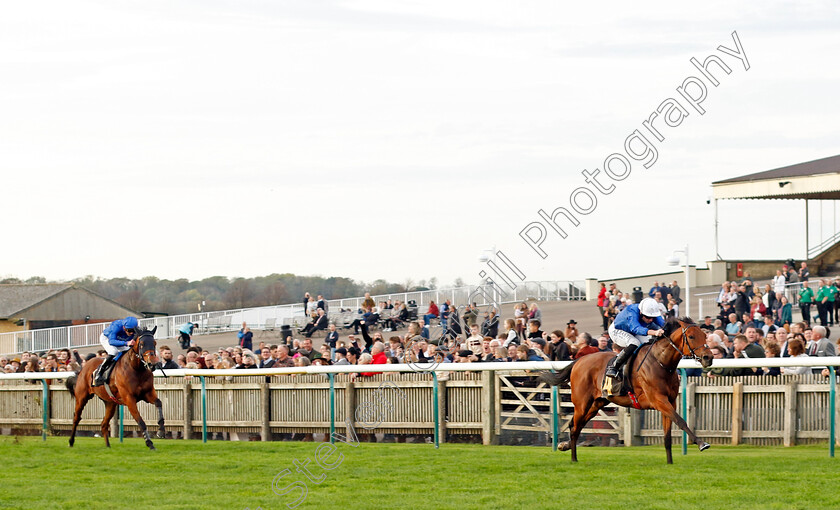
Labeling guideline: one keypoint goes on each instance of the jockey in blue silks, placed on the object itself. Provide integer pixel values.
(117, 338)
(631, 328)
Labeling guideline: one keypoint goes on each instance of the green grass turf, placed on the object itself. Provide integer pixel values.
(238, 475)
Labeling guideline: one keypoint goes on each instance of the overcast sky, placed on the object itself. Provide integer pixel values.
(383, 139)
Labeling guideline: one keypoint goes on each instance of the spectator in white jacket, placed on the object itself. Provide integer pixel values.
(779, 283)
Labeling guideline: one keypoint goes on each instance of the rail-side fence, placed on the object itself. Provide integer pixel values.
(86, 335)
(498, 402)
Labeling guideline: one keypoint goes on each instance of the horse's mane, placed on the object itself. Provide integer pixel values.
(672, 323)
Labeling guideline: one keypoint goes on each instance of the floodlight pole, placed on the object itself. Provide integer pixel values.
(687, 285)
(717, 246)
(687, 280)
(807, 240)
(491, 259)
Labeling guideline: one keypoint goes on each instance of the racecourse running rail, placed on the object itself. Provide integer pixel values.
(435, 401)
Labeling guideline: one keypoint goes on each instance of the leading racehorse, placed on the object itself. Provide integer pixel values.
(654, 380)
(131, 381)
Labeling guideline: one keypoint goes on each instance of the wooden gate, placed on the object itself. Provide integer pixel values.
(523, 413)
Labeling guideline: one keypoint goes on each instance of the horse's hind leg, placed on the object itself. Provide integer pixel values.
(594, 407)
(105, 428)
(585, 409)
(77, 416)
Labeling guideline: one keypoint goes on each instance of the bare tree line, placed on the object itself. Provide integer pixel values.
(151, 294)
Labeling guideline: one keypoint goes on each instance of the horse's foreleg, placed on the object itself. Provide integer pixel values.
(105, 428)
(77, 416)
(131, 404)
(667, 408)
(666, 428)
(161, 430)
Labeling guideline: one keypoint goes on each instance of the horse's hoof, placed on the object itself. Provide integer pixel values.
(161, 435)
(563, 446)
(704, 446)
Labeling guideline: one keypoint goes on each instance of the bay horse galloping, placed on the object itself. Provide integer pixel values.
(655, 383)
(131, 381)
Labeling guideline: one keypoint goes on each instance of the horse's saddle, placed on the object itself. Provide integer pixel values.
(106, 376)
(624, 385)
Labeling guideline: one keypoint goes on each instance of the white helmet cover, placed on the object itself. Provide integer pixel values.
(650, 308)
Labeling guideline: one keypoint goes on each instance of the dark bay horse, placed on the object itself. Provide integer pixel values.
(654, 379)
(131, 381)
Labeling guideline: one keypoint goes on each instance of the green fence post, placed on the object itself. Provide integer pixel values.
(683, 391)
(832, 397)
(122, 430)
(435, 407)
(332, 408)
(46, 411)
(555, 403)
(203, 410)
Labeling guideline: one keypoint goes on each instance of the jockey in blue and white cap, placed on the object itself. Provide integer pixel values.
(117, 338)
(631, 328)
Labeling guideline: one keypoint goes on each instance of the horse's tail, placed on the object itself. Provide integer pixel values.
(557, 378)
(70, 384)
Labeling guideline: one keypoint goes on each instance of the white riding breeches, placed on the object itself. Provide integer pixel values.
(113, 350)
(623, 338)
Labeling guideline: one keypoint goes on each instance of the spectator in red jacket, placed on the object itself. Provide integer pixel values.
(603, 301)
(433, 313)
(585, 345)
(379, 357)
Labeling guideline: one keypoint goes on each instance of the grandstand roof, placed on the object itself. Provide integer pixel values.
(812, 180)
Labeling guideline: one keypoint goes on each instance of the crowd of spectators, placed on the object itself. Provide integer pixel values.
(469, 335)
(752, 322)
(792, 340)
(60, 360)
(775, 299)
(758, 321)
(611, 301)
(63, 360)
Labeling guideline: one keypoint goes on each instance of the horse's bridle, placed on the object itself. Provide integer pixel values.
(140, 354)
(686, 343)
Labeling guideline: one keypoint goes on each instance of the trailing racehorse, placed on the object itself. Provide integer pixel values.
(655, 383)
(131, 381)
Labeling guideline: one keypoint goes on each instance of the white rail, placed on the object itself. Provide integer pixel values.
(811, 361)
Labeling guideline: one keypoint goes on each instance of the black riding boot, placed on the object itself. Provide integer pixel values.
(99, 379)
(620, 360)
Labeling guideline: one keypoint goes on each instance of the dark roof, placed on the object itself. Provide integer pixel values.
(818, 166)
(17, 297)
